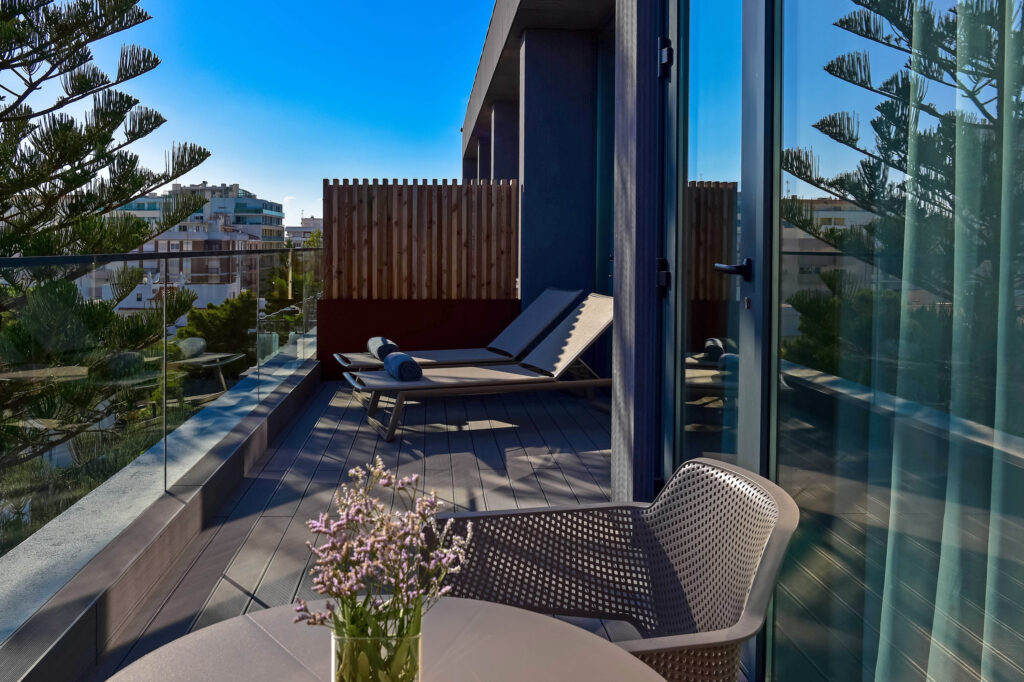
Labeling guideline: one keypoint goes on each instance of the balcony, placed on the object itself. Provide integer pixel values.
(192, 470)
(242, 209)
(497, 453)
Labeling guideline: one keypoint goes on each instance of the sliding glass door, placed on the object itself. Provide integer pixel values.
(900, 339)
(721, 253)
(868, 157)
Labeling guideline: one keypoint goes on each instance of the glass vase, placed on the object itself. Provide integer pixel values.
(375, 659)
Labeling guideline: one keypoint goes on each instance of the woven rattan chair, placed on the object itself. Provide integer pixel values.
(692, 572)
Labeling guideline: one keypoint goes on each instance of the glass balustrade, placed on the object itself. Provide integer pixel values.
(115, 363)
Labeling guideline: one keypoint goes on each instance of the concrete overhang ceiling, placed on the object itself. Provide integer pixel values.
(497, 76)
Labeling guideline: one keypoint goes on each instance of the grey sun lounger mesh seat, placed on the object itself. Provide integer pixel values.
(693, 571)
(540, 370)
(507, 347)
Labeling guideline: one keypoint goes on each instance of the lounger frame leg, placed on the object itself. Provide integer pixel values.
(388, 430)
(371, 406)
(585, 370)
(396, 417)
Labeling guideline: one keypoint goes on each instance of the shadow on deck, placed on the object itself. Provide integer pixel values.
(491, 452)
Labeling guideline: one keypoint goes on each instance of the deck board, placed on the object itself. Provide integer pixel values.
(522, 477)
(477, 453)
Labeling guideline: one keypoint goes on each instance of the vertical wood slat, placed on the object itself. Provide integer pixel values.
(397, 238)
(500, 261)
(433, 263)
(512, 232)
(422, 240)
(446, 240)
(469, 240)
(330, 256)
(365, 277)
(342, 253)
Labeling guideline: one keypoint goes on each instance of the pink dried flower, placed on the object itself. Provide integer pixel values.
(375, 564)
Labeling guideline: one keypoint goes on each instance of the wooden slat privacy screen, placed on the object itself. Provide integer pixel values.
(710, 238)
(421, 240)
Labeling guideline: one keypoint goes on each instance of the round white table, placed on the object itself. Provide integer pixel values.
(463, 639)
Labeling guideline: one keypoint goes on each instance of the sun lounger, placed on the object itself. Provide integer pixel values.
(509, 346)
(543, 368)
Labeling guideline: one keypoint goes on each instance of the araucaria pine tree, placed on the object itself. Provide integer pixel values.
(942, 171)
(952, 83)
(65, 166)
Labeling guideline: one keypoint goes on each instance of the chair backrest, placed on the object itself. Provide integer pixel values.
(573, 335)
(719, 534)
(532, 322)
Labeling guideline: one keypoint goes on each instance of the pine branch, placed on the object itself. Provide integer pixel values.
(124, 281)
(867, 24)
(39, 30)
(99, 89)
(852, 67)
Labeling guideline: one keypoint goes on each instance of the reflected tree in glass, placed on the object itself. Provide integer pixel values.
(940, 326)
(945, 185)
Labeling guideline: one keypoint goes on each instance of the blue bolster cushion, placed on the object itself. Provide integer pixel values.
(381, 347)
(402, 367)
(713, 349)
(729, 365)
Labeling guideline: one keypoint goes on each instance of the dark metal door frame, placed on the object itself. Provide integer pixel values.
(759, 206)
(673, 184)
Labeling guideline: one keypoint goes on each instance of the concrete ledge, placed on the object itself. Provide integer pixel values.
(928, 420)
(67, 637)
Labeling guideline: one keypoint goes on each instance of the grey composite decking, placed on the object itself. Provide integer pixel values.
(491, 452)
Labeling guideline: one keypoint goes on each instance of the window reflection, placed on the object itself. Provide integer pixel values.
(710, 231)
(902, 339)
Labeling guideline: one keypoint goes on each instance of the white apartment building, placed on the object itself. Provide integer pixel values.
(232, 219)
(299, 234)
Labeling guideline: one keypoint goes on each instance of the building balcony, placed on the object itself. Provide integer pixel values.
(194, 461)
(258, 211)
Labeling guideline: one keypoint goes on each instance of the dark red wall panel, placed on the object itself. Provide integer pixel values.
(345, 325)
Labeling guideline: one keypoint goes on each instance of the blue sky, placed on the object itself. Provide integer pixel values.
(325, 88)
(810, 41)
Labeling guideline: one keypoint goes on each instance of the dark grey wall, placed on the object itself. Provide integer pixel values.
(635, 367)
(483, 158)
(469, 169)
(505, 141)
(557, 131)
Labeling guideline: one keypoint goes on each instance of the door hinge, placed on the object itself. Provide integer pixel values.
(664, 274)
(666, 58)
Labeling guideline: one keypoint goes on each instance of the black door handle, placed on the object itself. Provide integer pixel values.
(744, 269)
